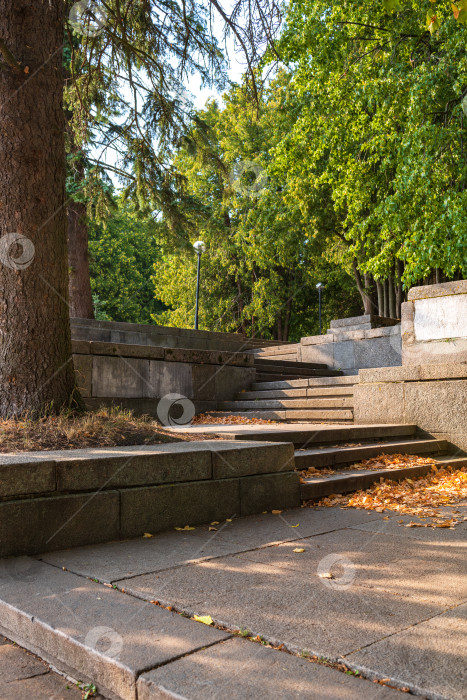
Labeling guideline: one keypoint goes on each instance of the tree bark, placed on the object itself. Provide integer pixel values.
(380, 291)
(78, 262)
(367, 305)
(36, 368)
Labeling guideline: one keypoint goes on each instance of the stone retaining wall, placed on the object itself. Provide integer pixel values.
(432, 396)
(53, 500)
(137, 376)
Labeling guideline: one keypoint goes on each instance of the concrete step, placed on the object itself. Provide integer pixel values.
(298, 415)
(89, 631)
(295, 371)
(325, 403)
(349, 480)
(305, 392)
(325, 434)
(56, 499)
(285, 364)
(279, 376)
(340, 380)
(329, 456)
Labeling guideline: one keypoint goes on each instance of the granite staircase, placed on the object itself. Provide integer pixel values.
(330, 452)
(291, 391)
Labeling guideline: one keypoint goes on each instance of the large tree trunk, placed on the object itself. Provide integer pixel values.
(78, 262)
(36, 369)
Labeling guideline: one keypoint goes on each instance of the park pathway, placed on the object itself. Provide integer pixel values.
(347, 586)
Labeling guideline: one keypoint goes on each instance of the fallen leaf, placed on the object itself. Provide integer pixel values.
(148, 534)
(205, 619)
(326, 574)
(187, 527)
(212, 529)
(297, 525)
(215, 522)
(276, 512)
(298, 550)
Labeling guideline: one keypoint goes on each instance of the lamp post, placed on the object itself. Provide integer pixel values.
(199, 247)
(320, 287)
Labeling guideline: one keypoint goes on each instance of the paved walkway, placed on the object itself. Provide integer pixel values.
(385, 599)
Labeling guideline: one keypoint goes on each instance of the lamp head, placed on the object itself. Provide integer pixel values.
(200, 247)
(320, 285)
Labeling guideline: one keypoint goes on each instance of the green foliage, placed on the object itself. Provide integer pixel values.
(264, 257)
(380, 127)
(122, 254)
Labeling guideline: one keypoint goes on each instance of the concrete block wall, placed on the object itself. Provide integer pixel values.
(434, 324)
(138, 376)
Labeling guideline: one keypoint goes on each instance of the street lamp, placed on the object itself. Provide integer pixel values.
(199, 247)
(320, 287)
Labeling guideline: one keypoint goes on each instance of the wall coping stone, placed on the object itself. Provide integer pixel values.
(153, 352)
(437, 290)
(414, 373)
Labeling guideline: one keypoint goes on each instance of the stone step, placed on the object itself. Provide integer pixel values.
(286, 364)
(349, 480)
(330, 456)
(305, 392)
(90, 631)
(342, 380)
(56, 499)
(289, 376)
(325, 403)
(323, 434)
(295, 371)
(298, 415)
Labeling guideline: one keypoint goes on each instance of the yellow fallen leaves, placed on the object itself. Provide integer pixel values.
(205, 619)
(421, 497)
(276, 512)
(147, 535)
(187, 527)
(397, 461)
(206, 419)
(298, 550)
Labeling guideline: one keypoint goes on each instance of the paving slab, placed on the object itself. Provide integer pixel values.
(117, 560)
(422, 573)
(399, 526)
(49, 686)
(90, 631)
(293, 607)
(16, 664)
(429, 657)
(239, 670)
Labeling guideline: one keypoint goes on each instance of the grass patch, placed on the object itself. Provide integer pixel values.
(107, 427)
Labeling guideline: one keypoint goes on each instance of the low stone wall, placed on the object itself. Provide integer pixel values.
(434, 324)
(68, 498)
(162, 336)
(431, 396)
(138, 376)
(349, 345)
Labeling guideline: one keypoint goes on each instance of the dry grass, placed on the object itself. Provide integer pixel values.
(108, 427)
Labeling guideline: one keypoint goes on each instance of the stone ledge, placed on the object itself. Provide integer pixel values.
(414, 373)
(437, 290)
(152, 352)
